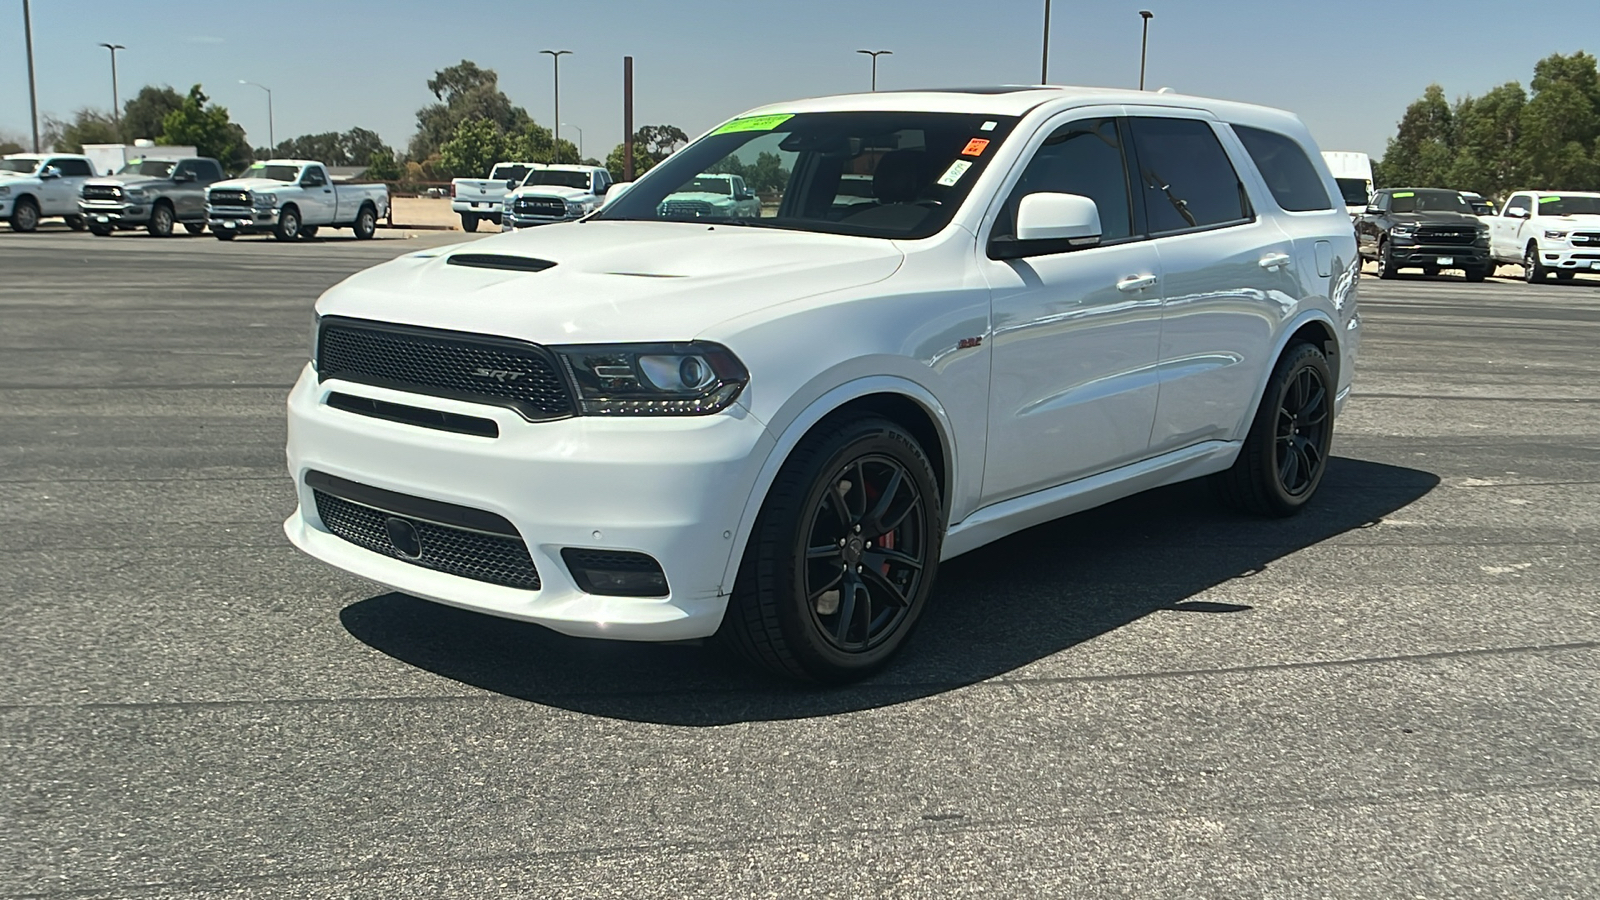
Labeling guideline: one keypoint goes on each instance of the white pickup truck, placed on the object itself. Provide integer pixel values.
(292, 198)
(1548, 231)
(34, 186)
(557, 193)
(476, 199)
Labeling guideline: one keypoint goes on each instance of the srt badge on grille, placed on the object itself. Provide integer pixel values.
(500, 375)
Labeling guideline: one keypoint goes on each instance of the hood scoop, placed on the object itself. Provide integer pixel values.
(498, 261)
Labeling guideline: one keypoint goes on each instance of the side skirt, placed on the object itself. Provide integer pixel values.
(1008, 517)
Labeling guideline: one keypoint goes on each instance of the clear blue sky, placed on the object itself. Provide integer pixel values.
(1348, 67)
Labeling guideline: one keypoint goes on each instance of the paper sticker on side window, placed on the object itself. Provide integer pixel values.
(754, 123)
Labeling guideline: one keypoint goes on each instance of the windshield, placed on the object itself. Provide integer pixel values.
(508, 173)
(1429, 201)
(809, 168)
(559, 178)
(1482, 207)
(276, 173)
(1353, 190)
(1568, 205)
(24, 164)
(159, 168)
(709, 184)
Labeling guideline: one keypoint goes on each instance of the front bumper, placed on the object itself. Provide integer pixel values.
(513, 222)
(672, 488)
(108, 213)
(238, 220)
(484, 209)
(1408, 254)
(1581, 259)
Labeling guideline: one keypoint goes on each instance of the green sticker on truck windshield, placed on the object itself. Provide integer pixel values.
(754, 123)
(1400, 194)
(1549, 199)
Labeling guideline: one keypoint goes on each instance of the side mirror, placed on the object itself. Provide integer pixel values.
(616, 190)
(1050, 223)
(1519, 213)
(602, 190)
(1374, 211)
(511, 184)
(182, 177)
(49, 172)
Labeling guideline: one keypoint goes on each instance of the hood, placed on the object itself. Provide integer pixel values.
(1585, 220)
(263, 185)
(1430, 217)
(550, 190)
(702, 196)
(12, 176)
(611, 281)
(129, 180)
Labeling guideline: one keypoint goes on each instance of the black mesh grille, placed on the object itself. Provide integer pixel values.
(688, 209)
(101, 192)
(230, 198)
(540, 206)
(1438, 235)
(496, 559)
(470, 367)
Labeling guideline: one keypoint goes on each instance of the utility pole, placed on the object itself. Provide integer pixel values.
(116, 114)
(555, 58)
(580, 139)
(272, 142)
(33, 91)
(1144, 44)
(875, 54)
(1044, 61)
(627, 118)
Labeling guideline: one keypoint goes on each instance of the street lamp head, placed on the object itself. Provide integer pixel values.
(877, 53)
(113, 47)
(1146, 14)
(556, 52)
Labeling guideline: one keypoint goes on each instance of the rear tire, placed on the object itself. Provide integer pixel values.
(160, 224)
(469, 222)
(1476, 275)
(194, 227)
(25, 217)
(1286, 452)
(1564, 274)
(366, 224)
(1431, 272)
(307, 232)
(224, 235)
(75, 222)
(825, 592)
(288, 227)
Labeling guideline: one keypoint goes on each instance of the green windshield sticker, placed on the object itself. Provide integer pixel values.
(754, 123)
(1549, 199)
(1404, 194)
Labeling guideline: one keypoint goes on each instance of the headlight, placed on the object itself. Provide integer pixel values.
(134, 193)
(5, 192)
(693, 379)
(1403, 230)
(264, 201)
(1556, 235)
(575, 209)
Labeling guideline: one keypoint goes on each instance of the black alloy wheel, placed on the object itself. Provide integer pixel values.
(288, 227)
(25, 217)
(160, 224)
(1533, 271)
(841, 562)
(1386, 267)
(1286, 451)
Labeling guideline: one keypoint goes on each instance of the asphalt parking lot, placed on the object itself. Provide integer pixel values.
(1394, 695)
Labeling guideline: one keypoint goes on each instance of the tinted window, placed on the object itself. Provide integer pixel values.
(73, 167)
(1429, 201)
(313, 178)
(1522, 203)
(1187, 179)
(1289, 174)
(209, 170)
(1082, 158)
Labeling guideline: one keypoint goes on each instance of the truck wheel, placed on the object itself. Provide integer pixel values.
(307, 232)
(288, 227)
(366, 224)
(469, 222)
(223, 235)
(1286, 451)
(842, 558)
(1431, 272)
(25, 218)
(1386, 267)
(1533, 271)
(1476, 275)
(99, 230)
(160, 224)
(75, 222)
(194, 227)
(1564, 274)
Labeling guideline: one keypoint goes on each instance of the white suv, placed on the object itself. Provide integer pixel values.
(650, 426)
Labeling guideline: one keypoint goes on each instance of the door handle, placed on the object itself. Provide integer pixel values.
(327, 190)
(1136, 283)
(1274, 260)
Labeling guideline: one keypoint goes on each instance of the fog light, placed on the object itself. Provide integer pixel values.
(615, 573)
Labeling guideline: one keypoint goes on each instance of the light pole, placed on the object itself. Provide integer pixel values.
(1044, 57)
(1144, 44)
(875, 54)
(272, 142)
(580, 138)
(555, 59)
(116, 115)
(33, 93)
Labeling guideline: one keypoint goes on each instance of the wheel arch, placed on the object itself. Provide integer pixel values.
(899, 400)
(1310, 327)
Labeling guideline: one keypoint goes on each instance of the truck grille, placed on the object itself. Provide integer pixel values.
(1446, 234)
(543, 207)
(101, 192)
(1585, 239)
(494, 558)
(688, 209)
(476, 368)
(230, 198)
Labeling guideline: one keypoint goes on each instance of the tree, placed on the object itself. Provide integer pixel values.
(352, 148)
(642, 162)
(1488, 132)
(1422, 150)
(88, 126)
(476, 146)
(466, 92)
(207, 129)
(381, 166)
(8, 145)
(143, 116)
(661, 139)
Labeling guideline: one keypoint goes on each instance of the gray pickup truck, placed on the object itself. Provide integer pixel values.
(151, 193)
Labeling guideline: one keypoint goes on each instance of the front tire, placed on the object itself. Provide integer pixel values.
(194, 227)
(469, 222)
(75, 223)
(288, 227)
(366, 224)
(160, 224)
(1286, 452)
(842, 558)
(1386, 267)
(25, 217)
(99, 230)
(1533, 271)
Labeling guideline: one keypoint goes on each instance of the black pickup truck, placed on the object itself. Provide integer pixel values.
(1423, 228)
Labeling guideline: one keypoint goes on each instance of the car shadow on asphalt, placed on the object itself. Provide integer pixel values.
(994, 610)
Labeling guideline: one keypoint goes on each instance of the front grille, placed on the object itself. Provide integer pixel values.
(1438, 235)
(493, 558)
(544, 207)
(230, 198)
(688, 209)
(471, 367)
(1585, 238)
(101, 192)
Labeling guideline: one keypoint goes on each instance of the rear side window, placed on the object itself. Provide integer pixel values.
(1187, 180)
(1289, 174)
